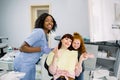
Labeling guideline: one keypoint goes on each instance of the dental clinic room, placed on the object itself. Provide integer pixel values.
(34, 33)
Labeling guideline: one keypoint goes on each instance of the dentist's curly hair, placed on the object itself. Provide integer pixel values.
(39, 23)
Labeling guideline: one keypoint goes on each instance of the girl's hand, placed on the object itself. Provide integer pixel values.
(90, 55)
(56, 52)
(85, 56)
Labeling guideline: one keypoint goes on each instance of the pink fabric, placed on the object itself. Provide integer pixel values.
(64, 73)
(52, 69)
(57, 73)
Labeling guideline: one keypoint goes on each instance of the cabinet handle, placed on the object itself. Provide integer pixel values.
(115, 26)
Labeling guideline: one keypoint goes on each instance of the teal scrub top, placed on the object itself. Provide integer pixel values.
(25, 62)
(36, 39)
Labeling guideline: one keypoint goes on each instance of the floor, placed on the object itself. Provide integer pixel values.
(88, 75)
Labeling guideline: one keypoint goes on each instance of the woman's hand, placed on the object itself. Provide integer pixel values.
(25, 47)
(56, 52)
(85, 56)
(46, 50)
(90, 55)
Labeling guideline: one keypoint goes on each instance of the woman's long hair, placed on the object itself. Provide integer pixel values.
(82, 48)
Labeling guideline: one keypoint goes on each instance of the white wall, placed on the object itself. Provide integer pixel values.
(102, 20)
(15, 21)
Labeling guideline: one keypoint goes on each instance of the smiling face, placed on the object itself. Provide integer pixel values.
(66, 42)
(76, 44)
(48, 23)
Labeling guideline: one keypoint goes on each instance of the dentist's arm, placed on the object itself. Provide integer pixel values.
(25, 47)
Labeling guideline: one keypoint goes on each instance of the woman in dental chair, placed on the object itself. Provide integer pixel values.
(53, 64)
(62, 62)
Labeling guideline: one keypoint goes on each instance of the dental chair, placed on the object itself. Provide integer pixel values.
(44, 72)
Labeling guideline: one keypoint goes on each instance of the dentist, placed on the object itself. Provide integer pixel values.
(34, 46)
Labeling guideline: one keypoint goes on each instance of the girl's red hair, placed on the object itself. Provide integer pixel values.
(82, 48)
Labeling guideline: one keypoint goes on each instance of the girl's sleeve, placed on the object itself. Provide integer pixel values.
(49, 58)
(51, 62)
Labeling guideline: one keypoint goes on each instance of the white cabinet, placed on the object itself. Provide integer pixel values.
(107, 57)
